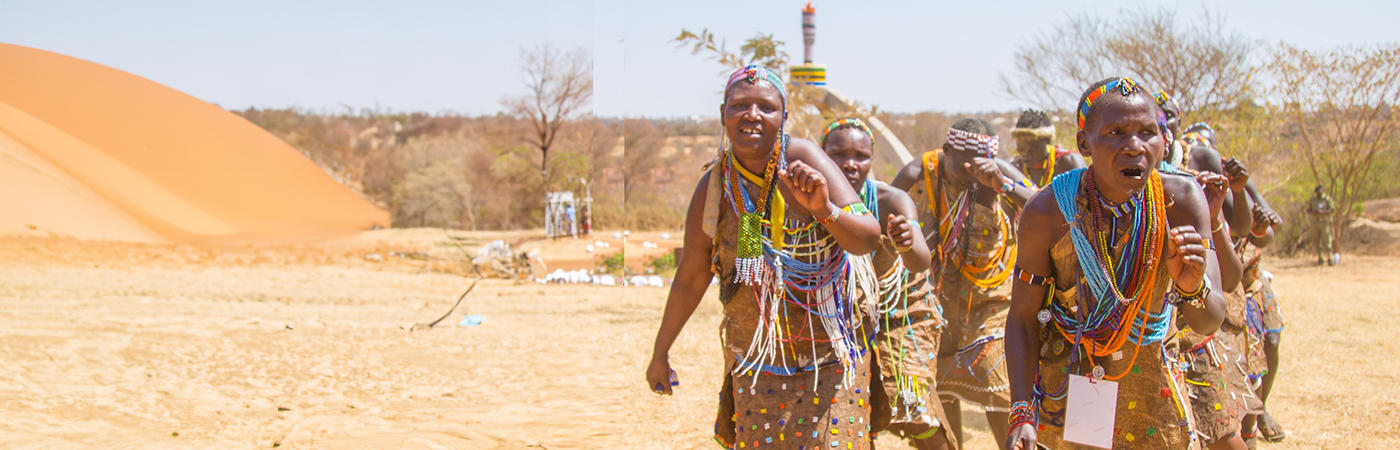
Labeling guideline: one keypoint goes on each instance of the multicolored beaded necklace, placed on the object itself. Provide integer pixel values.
(952, 223)
(798, 271)
(751, 209)
(1121, 286)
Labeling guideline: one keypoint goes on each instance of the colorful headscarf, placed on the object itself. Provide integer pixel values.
(753, 72)
(983, 145)
(1124, 85)
(854, 122)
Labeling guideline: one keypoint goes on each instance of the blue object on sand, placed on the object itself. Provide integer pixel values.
(471, 320)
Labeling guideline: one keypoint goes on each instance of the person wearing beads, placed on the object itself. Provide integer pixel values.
(1246, 210)
(1264, 321)
(906, 319)
(1038, 157)
(794, 267)
(1114, 254)
(1218, 364)
(969, 201)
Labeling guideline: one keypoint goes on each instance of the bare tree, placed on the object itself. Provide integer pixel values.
(1340, 107)
(560, 85)
(1197, 60)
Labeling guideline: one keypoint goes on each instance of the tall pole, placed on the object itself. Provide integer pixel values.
(809, 31)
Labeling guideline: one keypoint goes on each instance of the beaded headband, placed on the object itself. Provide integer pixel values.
(1124, 85)
(1163, 98)
(753, 72)
(985, 146)
(851, 122)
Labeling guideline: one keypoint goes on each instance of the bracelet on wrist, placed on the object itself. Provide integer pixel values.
(1177, 296)
(1021, 414)
(828, 220)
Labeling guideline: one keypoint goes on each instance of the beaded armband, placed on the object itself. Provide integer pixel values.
(1031, 278)
(1208, 243)
(828, 220)
(1006, 186)
(1021, 414)
(856, 209)
(1197, 299)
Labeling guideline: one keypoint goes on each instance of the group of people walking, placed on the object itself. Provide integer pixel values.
(1118, 304)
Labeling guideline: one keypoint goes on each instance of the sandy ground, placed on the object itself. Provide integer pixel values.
(175, 346)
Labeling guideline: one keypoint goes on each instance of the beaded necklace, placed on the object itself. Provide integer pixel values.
(952, 223)
(751, 209)
(1121, 287)
(799, 272)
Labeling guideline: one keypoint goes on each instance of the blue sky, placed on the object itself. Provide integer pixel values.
(463, 56)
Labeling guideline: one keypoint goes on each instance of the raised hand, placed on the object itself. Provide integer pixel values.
(985, 170)
(808, 187)
(1186, 257)
(901, 231)
(1261, 220)
(1237, 173)
(1214, 185)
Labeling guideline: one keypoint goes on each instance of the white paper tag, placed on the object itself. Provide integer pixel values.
(1090, 410)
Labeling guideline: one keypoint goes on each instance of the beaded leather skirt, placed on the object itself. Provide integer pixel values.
(1217, 374)
(972, 359)
(820, 409)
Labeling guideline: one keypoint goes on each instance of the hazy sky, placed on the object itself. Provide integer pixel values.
(463, 56)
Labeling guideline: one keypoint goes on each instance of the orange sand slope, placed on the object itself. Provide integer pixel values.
(92, 152)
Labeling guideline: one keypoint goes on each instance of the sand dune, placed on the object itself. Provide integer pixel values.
(92, 152)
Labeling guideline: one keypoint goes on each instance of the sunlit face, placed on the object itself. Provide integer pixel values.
(1124, 138)
(752, 115)
(853, 152)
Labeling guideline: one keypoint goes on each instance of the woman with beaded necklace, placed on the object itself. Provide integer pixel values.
(792, 257)
(907, 318)
(969, 200)
(1113, 254)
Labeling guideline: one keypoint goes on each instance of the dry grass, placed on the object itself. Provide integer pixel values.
(124, 345)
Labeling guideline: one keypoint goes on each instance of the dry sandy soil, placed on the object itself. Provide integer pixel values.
(179, 346)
